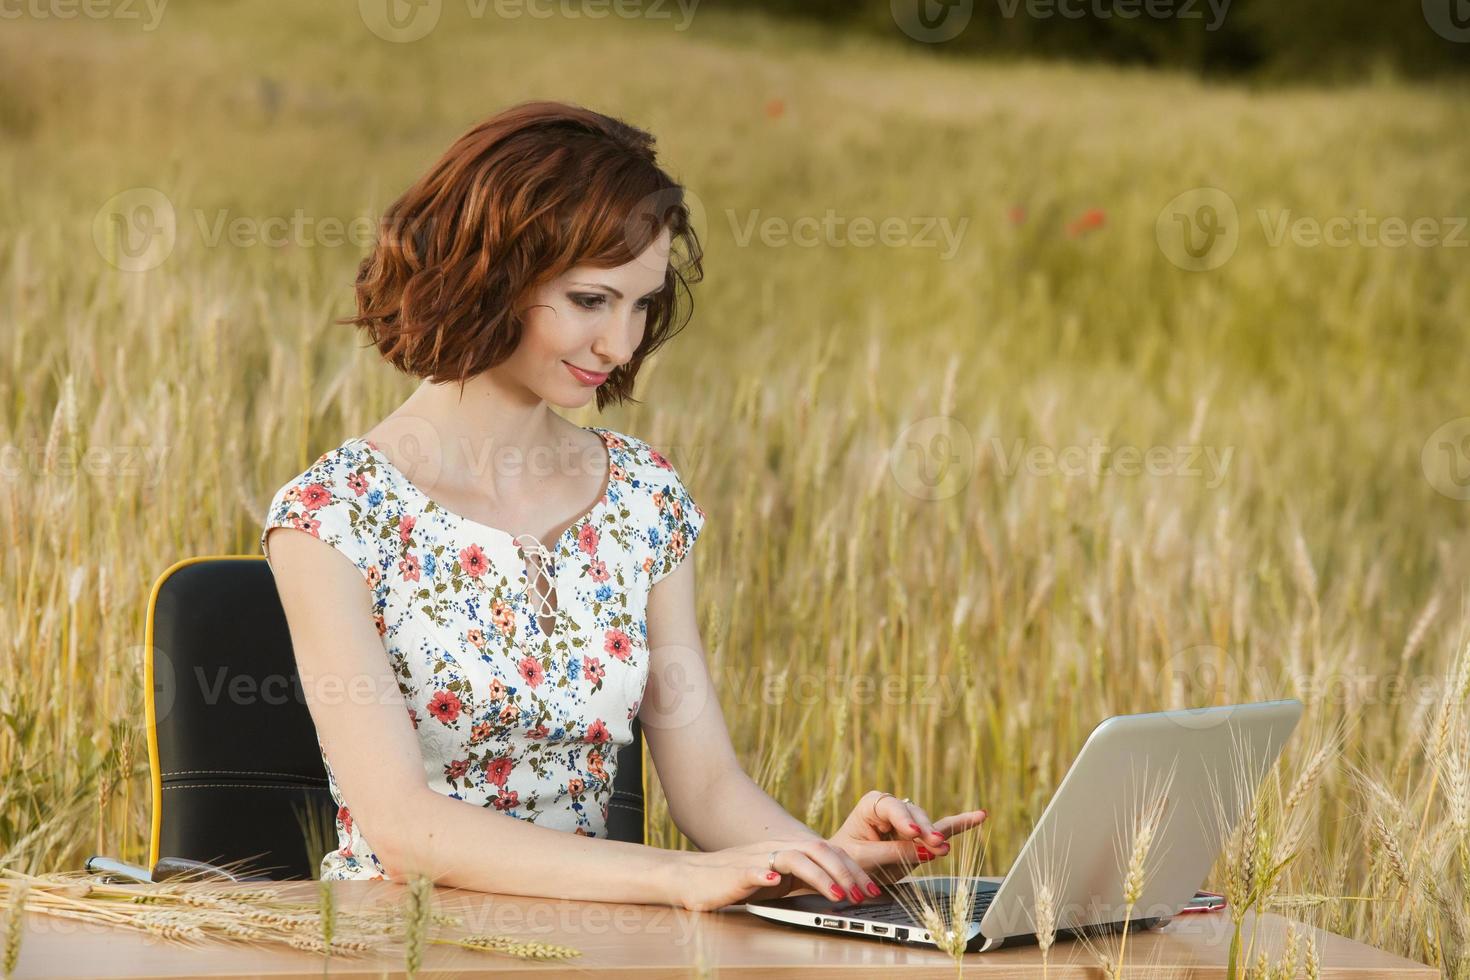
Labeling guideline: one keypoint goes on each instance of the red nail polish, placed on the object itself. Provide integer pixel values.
(924, 854)
(857, 896)
(917, 829)
(773, 876)
(838, 893)
(939, 834)
(873, 890)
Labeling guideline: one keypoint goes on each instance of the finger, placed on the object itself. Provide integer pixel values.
(921, 824)
(866, 886)
(759, 882)
(838, 864)
(894, 815)
(801, 865)
(900, 854)
(958, 823)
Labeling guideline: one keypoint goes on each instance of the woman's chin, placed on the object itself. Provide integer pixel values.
(576, 398)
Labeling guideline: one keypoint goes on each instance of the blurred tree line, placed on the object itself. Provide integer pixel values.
(1336, 40)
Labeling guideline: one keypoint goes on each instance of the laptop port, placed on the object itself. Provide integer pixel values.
(855, 926)
(834, 923)
(879, 930)
(900, 934)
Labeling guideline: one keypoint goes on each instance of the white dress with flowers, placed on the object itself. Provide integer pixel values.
(507, 716)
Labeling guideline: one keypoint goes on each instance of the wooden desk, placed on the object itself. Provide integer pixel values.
(651, 941)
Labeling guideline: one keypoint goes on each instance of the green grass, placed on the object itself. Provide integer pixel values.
(1010, 615)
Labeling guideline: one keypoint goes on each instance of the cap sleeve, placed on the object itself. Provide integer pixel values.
(679, 518)
(333, 501)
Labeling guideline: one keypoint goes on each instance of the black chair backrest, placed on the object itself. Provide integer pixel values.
(237, 773)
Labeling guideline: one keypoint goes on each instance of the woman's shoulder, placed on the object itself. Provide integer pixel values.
(636, 454)
(336, 475)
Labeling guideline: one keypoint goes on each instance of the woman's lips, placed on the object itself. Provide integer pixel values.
(586, 377)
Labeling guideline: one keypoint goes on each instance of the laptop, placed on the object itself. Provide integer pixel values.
(1198, 768)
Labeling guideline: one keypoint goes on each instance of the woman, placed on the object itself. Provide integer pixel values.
(524, 627)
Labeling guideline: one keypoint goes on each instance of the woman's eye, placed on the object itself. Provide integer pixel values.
(588, 301)
(644, 303)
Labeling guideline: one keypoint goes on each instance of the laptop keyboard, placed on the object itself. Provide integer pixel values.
(898, 915)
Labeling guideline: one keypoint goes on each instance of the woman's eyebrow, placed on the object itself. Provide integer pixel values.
(615, 292)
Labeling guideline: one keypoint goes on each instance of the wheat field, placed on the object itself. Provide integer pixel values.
(972, 486)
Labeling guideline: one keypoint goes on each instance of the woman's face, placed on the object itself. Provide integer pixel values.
(587, 320)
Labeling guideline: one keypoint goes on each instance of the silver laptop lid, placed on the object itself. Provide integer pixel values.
(1198, 768)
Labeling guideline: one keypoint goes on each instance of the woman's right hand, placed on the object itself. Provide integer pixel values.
(705, 880)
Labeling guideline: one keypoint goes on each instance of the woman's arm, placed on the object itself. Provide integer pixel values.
(712, 800)
(716, 804)
(365, 730)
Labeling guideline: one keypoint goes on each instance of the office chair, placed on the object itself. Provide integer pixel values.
(236, 771)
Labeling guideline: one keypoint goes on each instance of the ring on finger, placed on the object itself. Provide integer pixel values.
(771, 863)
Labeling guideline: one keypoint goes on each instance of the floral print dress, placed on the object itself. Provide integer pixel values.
(507, 715)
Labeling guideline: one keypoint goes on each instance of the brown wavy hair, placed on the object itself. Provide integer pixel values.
(512, 204)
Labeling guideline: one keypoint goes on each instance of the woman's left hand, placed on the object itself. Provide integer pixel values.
(883, 833)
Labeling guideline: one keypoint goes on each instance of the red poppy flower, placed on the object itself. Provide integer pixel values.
(1089, 220)
(405, 528)
(587, 539)
(597, 732)
(457, 768)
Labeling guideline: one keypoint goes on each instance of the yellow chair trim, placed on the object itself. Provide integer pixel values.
(156, 831)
